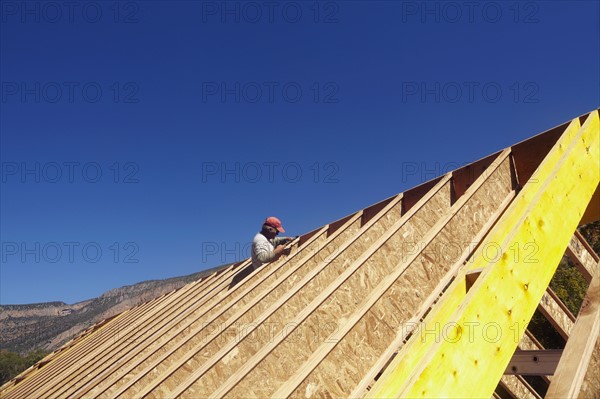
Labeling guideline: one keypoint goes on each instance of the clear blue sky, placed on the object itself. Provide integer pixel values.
(149, 139)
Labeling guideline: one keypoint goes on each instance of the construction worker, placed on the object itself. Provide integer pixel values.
(266, 246)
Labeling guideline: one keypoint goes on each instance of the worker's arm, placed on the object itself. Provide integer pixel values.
(282, 240)
(265, 254)
(269, 256)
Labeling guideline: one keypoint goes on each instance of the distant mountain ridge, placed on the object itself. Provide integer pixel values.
(24, 328)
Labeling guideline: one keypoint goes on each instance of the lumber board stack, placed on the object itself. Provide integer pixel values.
(382, 303)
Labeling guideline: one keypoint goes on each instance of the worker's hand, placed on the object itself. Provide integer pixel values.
(279, 250)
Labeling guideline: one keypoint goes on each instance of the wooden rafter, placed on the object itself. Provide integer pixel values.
(575, 148)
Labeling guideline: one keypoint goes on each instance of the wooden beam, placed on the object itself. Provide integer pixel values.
(38, 377)
(509, 290)
(165, 335)
(386, 357)
(529, 342)
(516, 386)
(465, 176)
(578, 350)
(363, 247)
(412, 196)
(362, 336)
(373, 210)
(533, 362)
(591, 381)
(180, 302)
(502, 392)
(170, 338)
(529, 153)
(222, 330)
(405, 370)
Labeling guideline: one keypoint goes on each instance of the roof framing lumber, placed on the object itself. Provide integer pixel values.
(226, 332)
(169, 332)
(225, 327)
(372, 245)
(206, 324)
(387, 356)
(338, 349)
(39, 376)
(533, 362)
(178, 307)
(578, 351)
(523, 283)
(419, 295)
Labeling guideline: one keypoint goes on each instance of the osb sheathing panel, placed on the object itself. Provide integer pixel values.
(275, 322)
(108, 347)
(555, 314)
(355, 354)
(177, 311)
(414, 195)
(515, 386)
(373, 210)
(151, 339)
(591, 382)
(527, 343)
(199, 319)
(79, 350)
(580, 254)
(463, 178)
(123, 341)
(228, 325)
(295, 349)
